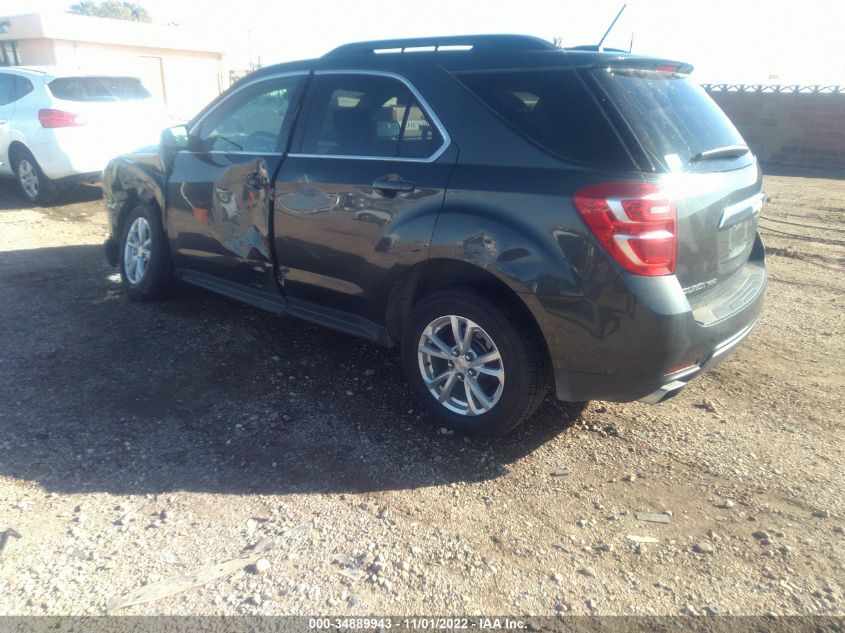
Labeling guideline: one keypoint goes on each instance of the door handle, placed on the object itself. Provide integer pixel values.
(389, 185)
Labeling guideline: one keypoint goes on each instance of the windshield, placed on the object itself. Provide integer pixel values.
(98, 89)
(672, 117)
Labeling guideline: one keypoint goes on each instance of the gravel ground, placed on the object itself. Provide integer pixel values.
(142, 443)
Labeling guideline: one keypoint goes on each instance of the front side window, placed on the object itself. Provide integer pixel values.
(367, 116)
(256, 119)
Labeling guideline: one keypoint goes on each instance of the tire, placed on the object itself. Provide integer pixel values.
(143, 255)
(498, 327)
(34, 185)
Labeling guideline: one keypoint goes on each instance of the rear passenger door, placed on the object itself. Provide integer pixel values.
(357, 202)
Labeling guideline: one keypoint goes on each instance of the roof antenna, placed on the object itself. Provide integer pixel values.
(610, 28)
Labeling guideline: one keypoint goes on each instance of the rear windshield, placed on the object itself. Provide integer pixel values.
(554, 109)
(672, 117)
(98, 89)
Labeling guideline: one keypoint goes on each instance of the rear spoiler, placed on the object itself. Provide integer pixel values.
(646, 63)
(590, 57)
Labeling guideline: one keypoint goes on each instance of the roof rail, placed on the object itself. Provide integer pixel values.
(503, 43)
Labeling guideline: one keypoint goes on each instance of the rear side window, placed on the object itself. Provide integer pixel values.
(23, 87)
(553, 109)
(367, 116)
(419, 137)
(672, 117)
(7, 89)
(98, 89)
(13, 87)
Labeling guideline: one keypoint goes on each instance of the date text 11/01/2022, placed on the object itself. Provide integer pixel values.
(418, 623)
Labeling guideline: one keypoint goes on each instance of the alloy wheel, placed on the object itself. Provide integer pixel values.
(28, 178)
(136, 251)
(461, 365)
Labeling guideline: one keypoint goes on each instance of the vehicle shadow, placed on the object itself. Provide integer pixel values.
(201, 393)
(11, 198)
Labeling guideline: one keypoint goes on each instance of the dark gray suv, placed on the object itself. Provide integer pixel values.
(516, 217)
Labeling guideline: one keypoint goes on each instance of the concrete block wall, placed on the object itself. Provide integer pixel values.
(791, 129)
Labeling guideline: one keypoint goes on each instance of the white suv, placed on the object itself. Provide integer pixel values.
(58, 128)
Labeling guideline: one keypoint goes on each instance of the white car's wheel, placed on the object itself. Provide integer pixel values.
(34, 185)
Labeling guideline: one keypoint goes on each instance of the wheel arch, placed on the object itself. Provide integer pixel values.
(15, 149)
(125, 184)
(437, 274)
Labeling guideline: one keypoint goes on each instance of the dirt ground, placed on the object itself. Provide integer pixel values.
(142, 442)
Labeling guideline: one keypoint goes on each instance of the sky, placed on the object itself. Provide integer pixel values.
(728, 41)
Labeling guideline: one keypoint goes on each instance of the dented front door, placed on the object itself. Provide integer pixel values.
(219, 199)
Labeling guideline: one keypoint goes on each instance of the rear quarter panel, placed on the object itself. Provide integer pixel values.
(520, 225)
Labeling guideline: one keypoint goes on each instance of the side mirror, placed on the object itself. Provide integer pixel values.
(175, 137)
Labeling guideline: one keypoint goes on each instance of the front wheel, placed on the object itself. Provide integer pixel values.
(476, 365)
(143, 255)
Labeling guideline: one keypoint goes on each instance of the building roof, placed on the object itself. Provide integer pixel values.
(81, 28)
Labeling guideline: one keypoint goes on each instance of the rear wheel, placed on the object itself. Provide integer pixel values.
(476, 365)
(35, 186)
(143, 254)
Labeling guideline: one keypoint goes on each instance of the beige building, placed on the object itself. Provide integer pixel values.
(183, 67)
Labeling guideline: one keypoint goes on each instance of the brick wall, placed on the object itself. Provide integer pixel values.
(791, 129)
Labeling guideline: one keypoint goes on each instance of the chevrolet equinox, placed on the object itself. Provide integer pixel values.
(518, 218)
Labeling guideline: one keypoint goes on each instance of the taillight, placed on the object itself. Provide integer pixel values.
(635, 222)
(59, 118)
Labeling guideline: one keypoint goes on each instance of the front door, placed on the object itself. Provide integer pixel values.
(357, 202)
(219, 192)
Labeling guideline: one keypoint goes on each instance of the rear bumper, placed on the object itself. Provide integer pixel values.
(678, 382)
(577, 386)
(640, 339)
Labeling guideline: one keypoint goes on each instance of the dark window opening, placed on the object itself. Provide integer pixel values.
(98, 89)
(13, 87)
(367, 115)
(9, 54)
(7, 88)
(553, 109)
(23, 87)
(256, 119)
